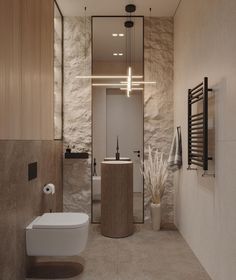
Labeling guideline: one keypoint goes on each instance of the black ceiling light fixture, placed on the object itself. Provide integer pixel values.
(130, 8)
(129, 23)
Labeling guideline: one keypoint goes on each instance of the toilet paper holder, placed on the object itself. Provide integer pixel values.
(49, 189)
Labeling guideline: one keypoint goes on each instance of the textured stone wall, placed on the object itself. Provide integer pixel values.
(158, 105)
(57, 77)
(77, 113)
(158, 99)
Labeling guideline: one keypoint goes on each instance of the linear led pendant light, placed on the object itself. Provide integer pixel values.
(130, 84)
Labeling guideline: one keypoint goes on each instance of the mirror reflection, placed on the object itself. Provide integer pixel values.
(117, 94)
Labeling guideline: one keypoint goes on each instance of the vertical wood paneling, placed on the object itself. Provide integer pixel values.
(26, 69)
(31, 68)
(47, 73)
(3, 54)
(10, 68)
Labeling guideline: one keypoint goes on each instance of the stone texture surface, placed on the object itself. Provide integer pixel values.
(77, 113)
(22, 200)
(158, 105)
(146, 255)
(58, 77)
(158, 99)
(77, 185)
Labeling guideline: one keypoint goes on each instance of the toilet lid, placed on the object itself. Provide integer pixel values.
(61, 220)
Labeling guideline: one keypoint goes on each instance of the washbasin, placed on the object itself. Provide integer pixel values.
(117, 162)
(113, 159)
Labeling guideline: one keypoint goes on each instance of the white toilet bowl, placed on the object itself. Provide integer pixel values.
(57, 234)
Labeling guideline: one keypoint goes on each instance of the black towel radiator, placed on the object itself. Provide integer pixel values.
(198, 126)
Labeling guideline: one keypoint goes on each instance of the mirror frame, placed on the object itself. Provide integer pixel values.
(92, 21)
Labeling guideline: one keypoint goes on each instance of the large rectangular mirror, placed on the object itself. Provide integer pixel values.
(117, 52)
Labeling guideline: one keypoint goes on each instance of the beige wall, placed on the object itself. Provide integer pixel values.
(205, 45)
(26, 69)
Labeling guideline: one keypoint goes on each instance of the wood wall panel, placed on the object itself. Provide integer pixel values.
(31, 69)
(10, 67)
(26, 69)
(47, 72)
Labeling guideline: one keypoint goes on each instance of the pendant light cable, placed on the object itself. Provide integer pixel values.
(150, 42)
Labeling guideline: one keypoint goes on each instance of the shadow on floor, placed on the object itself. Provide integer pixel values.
(54, 270)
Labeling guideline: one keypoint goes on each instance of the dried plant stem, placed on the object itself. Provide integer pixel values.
(155, 173)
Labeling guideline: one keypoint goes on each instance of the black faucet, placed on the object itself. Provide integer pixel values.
(117, 149)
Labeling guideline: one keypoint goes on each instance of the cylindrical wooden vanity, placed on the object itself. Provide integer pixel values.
(117, 198)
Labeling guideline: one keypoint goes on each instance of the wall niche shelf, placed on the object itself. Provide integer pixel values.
(80, 155)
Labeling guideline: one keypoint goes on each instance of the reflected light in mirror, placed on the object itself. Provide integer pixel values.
(105, 84)
(107, 77)
(132, 88)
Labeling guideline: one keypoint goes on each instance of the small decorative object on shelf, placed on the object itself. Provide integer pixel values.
(68, 149)
(155, 172)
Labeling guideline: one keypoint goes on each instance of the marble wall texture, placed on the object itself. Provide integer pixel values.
(158, 105)
(58, 83)
(22, 200)
(158, 99)
(77, 113)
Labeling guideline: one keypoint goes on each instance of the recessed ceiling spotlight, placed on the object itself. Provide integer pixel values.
(115, 54)
(120, 54)
(121, 34)
(114, 34)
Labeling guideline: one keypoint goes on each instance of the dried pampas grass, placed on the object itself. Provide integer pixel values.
(155, 172)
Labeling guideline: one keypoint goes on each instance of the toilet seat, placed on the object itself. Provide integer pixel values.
(60, 220)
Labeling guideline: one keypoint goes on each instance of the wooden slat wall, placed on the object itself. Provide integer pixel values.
(10, 68)
(26, 69)
(31, 68)
(47, 71)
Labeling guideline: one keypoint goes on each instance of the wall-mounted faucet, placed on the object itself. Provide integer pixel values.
(94, 167)
(137, 152)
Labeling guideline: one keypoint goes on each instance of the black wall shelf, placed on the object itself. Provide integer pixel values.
(82, 155)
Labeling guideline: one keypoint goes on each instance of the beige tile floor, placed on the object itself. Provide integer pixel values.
(146, 255)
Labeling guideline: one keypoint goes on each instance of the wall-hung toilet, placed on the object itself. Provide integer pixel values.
(57, 234)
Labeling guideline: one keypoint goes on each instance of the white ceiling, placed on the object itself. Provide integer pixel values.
(160, 8)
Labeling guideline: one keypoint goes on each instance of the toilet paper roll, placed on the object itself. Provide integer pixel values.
(49, 189)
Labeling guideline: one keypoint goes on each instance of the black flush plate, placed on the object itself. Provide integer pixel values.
(32, 170)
